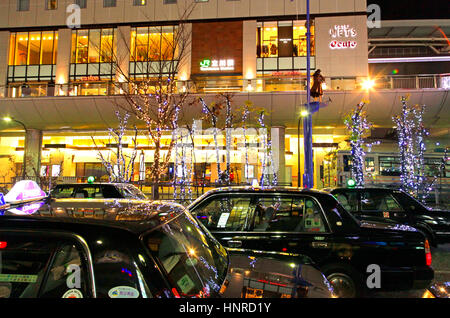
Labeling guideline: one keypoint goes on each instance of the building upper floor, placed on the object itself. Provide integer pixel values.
(38, 13)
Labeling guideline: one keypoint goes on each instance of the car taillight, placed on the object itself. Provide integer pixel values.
(3, 244)
(427, 253)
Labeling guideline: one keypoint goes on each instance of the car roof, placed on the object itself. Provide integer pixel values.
(137, 216)
(259, 189)
(363, 188)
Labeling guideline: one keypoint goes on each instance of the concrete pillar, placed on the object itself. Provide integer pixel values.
(4, 52)
(123, 53)
(185, 63)
(32, 153)
(63, 61)
(278, 150)
(249, 53)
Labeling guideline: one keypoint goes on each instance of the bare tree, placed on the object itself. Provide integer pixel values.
(157, 98)
(118, 164)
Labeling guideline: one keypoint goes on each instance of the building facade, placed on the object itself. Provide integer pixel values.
(57, 79)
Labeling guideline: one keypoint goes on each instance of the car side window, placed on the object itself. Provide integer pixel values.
(67, 277)
(378, 201)
(272, 214)
(349, 200)
(225, 213)
(62, 192)
(36, 266)
(286, 214)
(93, 191)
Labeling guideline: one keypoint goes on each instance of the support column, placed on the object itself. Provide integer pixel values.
(185, 63)
(63, 61)
(123, 55)
(4, 49)
(249, 54)
(279, 151)
(32, 154)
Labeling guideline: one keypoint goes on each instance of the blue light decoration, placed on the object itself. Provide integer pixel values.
(411, 135)
(358, 126)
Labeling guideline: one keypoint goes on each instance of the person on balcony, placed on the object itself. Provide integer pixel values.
(316, 89)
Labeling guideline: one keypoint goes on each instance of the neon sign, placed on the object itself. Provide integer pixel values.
(343, 37)
(217, 65)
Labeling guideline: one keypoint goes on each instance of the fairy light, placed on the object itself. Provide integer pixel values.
(358, 125)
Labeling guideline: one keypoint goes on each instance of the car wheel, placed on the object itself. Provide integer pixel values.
(344, 280)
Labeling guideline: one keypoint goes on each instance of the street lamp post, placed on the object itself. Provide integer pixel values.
(308, 177)
(9, 119)
(303, 114)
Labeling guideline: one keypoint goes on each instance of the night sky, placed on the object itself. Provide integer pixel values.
(413, 9)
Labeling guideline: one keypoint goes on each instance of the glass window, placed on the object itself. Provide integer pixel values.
(51, 4)
(170, 1)
(23, 265)
(298, 214)
(225, 213)
(272, 214)
(33, 48)
(390, 166)
(283, 39)
(23, 5)
(117, 274)
(195, 263)
(369, 164)
(109, 3)
(349, 200)
(139, 2)
(378, 201)
(63, 191)
(66, 262)
(93, 46)
(81, 3)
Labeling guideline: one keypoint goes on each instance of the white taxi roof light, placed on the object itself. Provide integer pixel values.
(24, 190)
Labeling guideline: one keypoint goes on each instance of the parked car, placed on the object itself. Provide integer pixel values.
(389, 205)
(97, 190)
(104, 248)
(291, 221)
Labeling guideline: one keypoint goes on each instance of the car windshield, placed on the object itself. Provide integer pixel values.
(195, 262)
(131, 192)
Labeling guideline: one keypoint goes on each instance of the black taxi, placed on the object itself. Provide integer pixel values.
(310, 222)
(107, 248)
(394, 205)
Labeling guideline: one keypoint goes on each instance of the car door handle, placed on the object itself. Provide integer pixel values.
(234, 243)
(319, 244)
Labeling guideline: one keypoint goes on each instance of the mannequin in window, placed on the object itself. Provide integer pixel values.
(316, 89)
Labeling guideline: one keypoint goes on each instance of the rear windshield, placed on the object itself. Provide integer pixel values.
(194, 261)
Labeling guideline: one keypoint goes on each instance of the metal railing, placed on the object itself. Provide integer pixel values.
(266, 84)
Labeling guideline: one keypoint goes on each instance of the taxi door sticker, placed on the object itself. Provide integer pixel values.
(386, 215)
(223, 220)
(123, 292)
(72, 293)
(15, 278)
(186, 284)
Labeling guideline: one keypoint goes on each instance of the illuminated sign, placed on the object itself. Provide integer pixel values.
(343, 37)
(217, 65)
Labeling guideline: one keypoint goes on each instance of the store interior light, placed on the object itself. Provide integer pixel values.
(7, 119)
(304, 113)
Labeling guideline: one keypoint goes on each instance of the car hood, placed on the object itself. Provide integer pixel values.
(256, 276)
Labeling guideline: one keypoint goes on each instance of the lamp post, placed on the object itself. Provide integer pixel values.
(8, 120)
(303, 114)
(308, 177)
